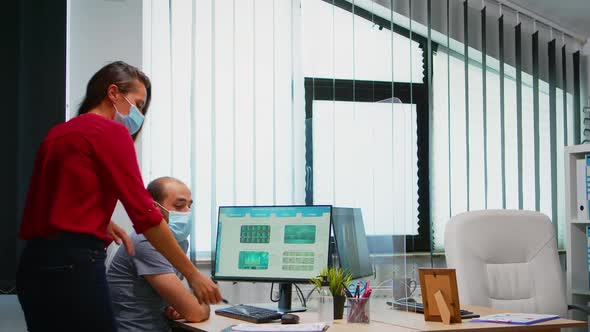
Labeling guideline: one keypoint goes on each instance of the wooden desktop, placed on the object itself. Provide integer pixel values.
(383, 318)
(217, 323)
(415, 321)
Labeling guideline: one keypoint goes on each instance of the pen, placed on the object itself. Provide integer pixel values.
(346, 291)
(367, 289)
(357, 293)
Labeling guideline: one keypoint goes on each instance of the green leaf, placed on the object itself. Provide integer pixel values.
(336, 277)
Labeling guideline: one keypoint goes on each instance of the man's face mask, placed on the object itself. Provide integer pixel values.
(180, 223)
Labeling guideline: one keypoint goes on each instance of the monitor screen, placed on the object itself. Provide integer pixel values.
(351, 241)
(272, 243)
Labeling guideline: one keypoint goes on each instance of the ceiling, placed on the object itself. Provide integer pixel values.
(573, 15)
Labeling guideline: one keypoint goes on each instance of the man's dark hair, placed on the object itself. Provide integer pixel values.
(156, 188)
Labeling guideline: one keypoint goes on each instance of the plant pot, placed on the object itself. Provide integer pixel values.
(339, 306)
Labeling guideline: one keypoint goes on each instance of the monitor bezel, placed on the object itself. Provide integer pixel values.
(258, 279)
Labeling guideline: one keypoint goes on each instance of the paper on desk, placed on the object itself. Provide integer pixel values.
(515, 318)
(306, 327)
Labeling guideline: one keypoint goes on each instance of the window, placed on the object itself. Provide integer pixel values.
(229, 110)
(363, 152)
(288, 102)
(361, 149)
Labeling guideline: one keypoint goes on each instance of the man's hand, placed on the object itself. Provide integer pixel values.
(172, 314)
(205, 290)
(119, 235)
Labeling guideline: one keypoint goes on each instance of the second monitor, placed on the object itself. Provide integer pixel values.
(284, 244)
(352, 250)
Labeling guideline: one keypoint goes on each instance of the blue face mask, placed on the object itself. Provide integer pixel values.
(180, 223)
(132, 121)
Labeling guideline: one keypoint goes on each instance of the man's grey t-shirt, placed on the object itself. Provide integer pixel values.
(136, 305)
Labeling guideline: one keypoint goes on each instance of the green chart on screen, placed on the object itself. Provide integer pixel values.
(299, 234)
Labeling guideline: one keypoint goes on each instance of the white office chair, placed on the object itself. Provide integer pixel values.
(506, 259)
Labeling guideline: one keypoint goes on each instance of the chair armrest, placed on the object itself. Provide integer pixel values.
(583, 308)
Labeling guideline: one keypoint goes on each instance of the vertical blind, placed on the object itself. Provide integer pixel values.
(226, 86)
(229, 110)
(508, 152)
(495, 142)
(364, 152)
(479, 100)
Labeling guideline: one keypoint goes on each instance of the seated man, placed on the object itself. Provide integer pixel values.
(145, 288)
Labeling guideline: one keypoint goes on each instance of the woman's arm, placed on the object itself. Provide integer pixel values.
(117, 161)
(175, 294)
(163, 240)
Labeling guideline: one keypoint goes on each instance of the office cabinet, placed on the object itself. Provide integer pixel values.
(577, 221)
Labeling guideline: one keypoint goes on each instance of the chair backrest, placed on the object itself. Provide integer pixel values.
(506, 259)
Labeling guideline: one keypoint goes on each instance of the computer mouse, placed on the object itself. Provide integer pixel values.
(289, 319)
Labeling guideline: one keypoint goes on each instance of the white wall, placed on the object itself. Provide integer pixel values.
(102, 31)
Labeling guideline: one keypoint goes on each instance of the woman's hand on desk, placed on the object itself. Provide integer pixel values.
(205, 290)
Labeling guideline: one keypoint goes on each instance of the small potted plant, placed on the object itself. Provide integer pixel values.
(338, 279)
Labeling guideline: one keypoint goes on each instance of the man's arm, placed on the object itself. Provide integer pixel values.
(163, 241)
(175, 294)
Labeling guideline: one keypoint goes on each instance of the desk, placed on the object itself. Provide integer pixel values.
(386, 319)
(217, 323)
(414, 321)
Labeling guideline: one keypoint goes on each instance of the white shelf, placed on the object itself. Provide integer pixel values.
(578, 291)
(582, 222)
(581, 148)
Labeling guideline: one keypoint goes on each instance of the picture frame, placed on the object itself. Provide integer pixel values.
(440, 296)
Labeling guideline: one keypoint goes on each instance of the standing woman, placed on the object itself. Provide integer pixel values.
(83, 167)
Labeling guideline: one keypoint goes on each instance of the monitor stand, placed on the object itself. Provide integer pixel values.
(285, 292)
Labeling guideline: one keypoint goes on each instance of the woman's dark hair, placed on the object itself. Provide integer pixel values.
(121, 74)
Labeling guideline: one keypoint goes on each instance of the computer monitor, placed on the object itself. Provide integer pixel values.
(284, 244)
(352, 249)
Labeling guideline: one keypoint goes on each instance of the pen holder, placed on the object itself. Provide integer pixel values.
(358, 310)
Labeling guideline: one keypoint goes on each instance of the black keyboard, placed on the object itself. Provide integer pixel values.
(249, 313)
(419, 308)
